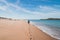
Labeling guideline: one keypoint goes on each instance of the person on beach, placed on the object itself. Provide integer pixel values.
(28, 21)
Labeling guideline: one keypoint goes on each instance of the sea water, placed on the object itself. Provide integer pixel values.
(51, 27)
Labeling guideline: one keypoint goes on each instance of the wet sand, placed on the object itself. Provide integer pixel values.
(21, 30)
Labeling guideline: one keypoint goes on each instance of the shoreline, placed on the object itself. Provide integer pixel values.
(21, 30)
(40, 28)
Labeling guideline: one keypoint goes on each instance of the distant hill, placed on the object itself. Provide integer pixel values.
(5, 18)
(8, 18)
(51, 19)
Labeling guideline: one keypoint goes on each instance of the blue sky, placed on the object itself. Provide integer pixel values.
(30, 9)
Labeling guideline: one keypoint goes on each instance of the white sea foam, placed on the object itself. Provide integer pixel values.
(53, 32)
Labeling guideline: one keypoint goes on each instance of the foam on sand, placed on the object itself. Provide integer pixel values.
(49, 30)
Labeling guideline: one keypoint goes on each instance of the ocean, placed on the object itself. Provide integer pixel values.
(51, 27)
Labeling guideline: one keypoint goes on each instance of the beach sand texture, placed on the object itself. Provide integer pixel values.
(20, 30)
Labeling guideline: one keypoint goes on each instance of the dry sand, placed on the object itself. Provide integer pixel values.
(20, 30)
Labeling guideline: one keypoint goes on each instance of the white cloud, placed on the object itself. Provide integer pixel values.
(51, 12)
(15, 6)
(3, 8)
(47, 9)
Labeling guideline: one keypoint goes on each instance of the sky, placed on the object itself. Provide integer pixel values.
(30, 9)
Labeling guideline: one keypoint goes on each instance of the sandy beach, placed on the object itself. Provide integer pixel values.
(21, 30)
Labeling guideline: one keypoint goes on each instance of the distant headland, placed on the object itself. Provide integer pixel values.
(5, 18)
(51, 19)
(8, 18)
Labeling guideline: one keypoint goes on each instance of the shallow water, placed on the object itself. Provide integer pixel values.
(51, 27)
